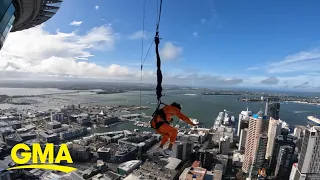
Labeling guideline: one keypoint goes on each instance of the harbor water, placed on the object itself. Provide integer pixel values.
(204, 108)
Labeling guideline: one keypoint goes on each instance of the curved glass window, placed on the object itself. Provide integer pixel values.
(6, 19)
(4, 4)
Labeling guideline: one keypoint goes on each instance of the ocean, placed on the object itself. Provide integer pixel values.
(203, 108)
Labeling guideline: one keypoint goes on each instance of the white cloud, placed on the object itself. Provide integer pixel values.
(67, 53)
(203, 20)
(76, 23)
(138, 35)
(195, 34)
(96, 7)
(306, 61)
(170, 51)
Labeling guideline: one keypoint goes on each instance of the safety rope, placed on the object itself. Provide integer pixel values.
(159, 73)
(143, 17)
(159, 17)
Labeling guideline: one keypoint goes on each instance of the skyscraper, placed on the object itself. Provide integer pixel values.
(284, 163)
(182, 149)
(309, 160)
(257, 125)
(243, 123)
(274, 130)
(259, 155)
(243, 138)
(279, 141)
(224, 145)
(299, 133)
(272, 108)
(206, 158)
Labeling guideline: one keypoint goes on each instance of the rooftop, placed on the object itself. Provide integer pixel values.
(6, 129)
(111, 175)
(315, 128)
(196, 164)
(79, 147)
(132, 177)
(300, 127)
(15, 137)
(224, 138)
(129, 164)
(54, 123)
(197, 173)
(173, 163)
(29, 126)
(154, 169)
(50, 176)
(218, 167)
(47, 134)
(3, 124)
(258, 116)
(104, 149)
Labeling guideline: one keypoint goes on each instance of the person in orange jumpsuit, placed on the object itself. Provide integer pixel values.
(161, 123)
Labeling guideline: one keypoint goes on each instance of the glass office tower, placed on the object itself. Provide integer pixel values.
(6, 19)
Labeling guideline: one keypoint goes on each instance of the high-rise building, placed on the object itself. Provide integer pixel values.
(259, 155)
(272, 108)
(309, 160)
(182, 149)
(294, 171)
(243, 137)
(299, 131)
(206, 158)
(274, 130)
(279, 141)
(257, 125)
(284, 163)
(243, 122)
(17, 15)
(224, 145)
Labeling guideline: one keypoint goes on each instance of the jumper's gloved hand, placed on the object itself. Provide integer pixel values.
(195, 123)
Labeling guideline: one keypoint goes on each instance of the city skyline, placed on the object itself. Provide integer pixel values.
(85, 127)
(105, 43)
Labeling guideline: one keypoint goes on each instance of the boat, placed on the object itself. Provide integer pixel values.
(191, 94)
(313, 121)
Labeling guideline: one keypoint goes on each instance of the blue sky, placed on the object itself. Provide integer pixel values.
(233, 43)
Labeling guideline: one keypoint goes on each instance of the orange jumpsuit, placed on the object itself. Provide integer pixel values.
(167, 131)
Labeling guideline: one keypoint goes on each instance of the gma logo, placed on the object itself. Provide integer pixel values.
(37, 154)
